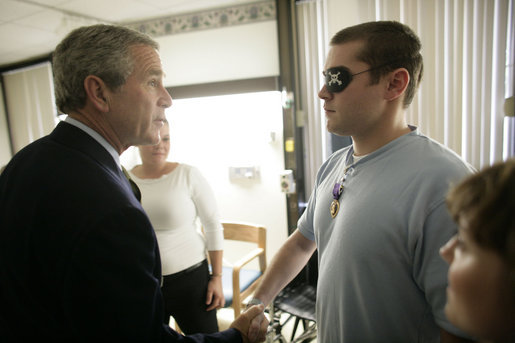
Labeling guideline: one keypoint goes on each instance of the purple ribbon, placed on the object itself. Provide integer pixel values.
(337, 190)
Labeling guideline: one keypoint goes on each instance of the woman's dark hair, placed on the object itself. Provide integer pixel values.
(487, 201)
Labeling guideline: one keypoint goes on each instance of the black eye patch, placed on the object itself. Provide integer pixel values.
(337, 79)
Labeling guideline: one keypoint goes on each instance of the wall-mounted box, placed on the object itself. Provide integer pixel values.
(243, 173)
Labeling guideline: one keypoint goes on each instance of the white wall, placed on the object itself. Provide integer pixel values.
(230, 53)
(215, 133)
(29, 95)
(233, 131)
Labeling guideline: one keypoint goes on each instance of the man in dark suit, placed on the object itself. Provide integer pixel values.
(78, 256)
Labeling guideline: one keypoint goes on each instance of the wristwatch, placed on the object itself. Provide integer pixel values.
(254, 301)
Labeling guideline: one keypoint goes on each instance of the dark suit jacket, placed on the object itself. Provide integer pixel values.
(78, 256)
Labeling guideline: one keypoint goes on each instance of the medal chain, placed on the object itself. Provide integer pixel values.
(337, 192)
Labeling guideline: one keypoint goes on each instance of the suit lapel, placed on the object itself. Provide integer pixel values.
(74, 138)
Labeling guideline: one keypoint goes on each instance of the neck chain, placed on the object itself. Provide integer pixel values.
(339, 185)
(337, 192)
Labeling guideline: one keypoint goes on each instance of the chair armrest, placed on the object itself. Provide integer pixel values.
(246, 259)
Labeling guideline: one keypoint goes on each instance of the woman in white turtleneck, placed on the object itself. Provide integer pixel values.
(174, 195)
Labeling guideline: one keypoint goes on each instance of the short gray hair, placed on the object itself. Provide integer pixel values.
(100, 50)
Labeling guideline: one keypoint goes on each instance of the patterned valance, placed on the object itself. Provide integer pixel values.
(208, 19)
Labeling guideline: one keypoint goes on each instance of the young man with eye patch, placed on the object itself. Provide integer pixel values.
(377, 214)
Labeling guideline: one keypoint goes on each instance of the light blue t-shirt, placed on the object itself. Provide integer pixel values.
(381, 278)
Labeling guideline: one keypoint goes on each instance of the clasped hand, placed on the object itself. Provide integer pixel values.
(252, 324)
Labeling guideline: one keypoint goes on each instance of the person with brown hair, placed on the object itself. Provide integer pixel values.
(481, 291)
(377, 213)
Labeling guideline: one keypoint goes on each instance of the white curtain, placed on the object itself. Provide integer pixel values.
(311, 55)
(468, 70)
(5, 141)
(465, 48)
(29, 96)
(467, 60)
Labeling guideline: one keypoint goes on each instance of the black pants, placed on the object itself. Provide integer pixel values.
(184, 296)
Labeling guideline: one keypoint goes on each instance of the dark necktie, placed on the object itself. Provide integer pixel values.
(134, 186)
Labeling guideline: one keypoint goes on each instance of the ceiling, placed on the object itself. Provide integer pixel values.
(30, 29)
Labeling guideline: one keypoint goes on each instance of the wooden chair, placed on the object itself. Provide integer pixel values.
(238, 282)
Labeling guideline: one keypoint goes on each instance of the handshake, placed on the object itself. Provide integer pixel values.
(252, 324)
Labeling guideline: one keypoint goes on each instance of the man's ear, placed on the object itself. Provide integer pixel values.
(398, 81)
(96, 92)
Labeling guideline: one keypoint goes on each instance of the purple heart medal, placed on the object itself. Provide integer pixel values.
(337, 192)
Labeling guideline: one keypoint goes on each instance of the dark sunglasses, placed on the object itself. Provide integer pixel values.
(338, 78)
